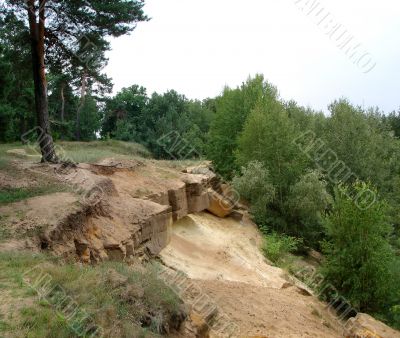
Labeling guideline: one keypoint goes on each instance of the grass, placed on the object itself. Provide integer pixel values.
(277, 247)
(74, 151)
(18, 194)
(111, 305)
(4, 231)
(94, 151)
(5, 158)
(88, 152)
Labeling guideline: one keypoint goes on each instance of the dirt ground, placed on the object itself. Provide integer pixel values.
(223, 258)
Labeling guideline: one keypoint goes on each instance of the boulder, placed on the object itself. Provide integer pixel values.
(219, 205)
(198, 203)
(315, 255)
(160, 232)
(132, 293)
(365, 326)
(205, 170)
(178, 201)
(237, 215)
(115, 279)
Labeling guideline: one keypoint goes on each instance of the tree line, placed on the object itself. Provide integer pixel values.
(331, 181)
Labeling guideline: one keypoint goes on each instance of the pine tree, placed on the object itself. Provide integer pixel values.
(63, 27)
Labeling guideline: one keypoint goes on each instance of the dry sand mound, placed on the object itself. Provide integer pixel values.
(223, 258)
(206, 247)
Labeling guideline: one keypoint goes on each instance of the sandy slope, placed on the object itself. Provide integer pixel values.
(222, 257)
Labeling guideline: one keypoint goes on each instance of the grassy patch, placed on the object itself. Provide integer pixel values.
(3, 163)
(4, 157)
(277, 247)
(90, 152)
(18, 194)
(5, 233)
(122, 300)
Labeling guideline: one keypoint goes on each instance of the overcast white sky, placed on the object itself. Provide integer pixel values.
(198, 46)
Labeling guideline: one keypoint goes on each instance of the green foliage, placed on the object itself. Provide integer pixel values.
(395, 314)
(393, 120)
(358, 254)
(18, 194)
(277, 246)
(363, 143)
(306, 204)
(75, 47)
(254, 185)
(16, 85)
(132, 116)
(123, 113)
(90, 120)
(268, 137)
(232, 109)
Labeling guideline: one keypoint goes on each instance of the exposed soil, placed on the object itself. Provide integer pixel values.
(206, 247)
(223, 258)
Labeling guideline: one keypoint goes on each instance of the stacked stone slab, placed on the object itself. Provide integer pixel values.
(178, 201)
(196, 192)
(125, 224)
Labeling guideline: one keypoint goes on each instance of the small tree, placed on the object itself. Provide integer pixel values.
(268, 138)
(232, 110)
(254, 185)
(358, 255)
(307, 202)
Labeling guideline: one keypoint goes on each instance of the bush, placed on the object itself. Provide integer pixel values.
(278, 246)
(307, 202)
(255, 187)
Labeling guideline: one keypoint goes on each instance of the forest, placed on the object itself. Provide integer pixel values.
(326, 181)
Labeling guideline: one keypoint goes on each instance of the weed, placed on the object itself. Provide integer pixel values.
(278, 246)
(4, 231)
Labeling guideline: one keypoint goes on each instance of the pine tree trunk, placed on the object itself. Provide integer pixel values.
(62, 102)
(39, 78)
(81, 104)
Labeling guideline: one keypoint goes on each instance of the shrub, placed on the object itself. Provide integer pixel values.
(307, 202)
(255, 187)
(277, 246)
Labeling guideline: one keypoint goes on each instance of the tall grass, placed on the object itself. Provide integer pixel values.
(89, 287)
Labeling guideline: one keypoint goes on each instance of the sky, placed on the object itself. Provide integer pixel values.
(198, 47)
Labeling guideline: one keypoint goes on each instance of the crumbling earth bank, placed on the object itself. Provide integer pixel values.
(115, 210)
